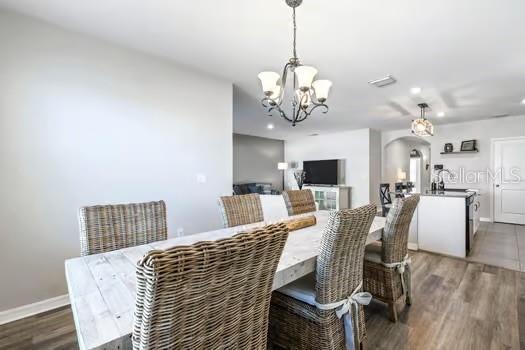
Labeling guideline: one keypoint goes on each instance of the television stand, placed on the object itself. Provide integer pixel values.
(330, 197)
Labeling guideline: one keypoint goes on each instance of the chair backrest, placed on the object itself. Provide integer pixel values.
(395, 234)
(299, 201)
(273, 207)
(384, 194)
(109, 227)
(240, 210)
(340, 262)
(210, 295)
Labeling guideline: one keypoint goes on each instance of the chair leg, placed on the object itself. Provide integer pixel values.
(408, 292)
(393, 311)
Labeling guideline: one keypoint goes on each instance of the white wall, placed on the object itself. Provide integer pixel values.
(482, 131)
(352, 146)
(255, 160)
(83, 122)
(396, 158)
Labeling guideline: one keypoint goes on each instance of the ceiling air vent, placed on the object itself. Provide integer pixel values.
(388, 80)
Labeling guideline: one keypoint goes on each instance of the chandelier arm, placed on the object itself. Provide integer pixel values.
(305, 114)
(297, 115)
(286, 117)
(265, 102)
(278, 108)
(268, 102)
(302, 117)
(317, 105)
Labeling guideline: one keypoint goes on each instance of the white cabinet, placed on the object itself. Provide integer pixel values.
(412, 232)
(441, 225)
(330, 197)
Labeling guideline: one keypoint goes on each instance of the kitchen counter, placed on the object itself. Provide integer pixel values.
(448, 221)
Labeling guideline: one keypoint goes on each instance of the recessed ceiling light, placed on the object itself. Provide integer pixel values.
(523, 101)
(270, 126)
(415, 90)
(441, 114)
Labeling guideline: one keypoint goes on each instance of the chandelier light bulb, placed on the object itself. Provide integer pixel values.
(269, 81)
(276, 94)
(420, 126)
(305, 76)
(322, 89)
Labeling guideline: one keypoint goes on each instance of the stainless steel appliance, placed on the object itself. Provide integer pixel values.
(472, 207)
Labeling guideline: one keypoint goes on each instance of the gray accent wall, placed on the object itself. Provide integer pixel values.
(255, 160)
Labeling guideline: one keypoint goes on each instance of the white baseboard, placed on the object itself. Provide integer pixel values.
(485, 219)
(413, 246)
(33, 309)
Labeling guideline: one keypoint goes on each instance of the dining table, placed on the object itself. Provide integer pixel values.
(102, 286)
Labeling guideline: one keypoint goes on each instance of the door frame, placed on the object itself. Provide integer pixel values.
(492, 192)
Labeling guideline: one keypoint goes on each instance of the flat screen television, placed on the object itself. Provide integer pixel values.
(321, 172)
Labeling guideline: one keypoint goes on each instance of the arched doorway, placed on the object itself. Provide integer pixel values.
(407, 159)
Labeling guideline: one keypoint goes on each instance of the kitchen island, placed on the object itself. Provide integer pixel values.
(448, 221)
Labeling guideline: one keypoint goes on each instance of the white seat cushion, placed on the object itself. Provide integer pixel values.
(373, 253)
(302, 289)
(274, 208)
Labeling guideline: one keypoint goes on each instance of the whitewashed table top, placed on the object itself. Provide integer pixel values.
(102, 286)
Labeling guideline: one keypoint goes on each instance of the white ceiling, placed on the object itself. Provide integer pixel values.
(468, 55)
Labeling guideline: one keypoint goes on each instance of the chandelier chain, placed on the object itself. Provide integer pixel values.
(294, 34)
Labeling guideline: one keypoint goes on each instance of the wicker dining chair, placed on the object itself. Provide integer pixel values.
(209, 295)
(387, 272)
(241, 210)
(110, 227)
(299, 201)
(384, 196)
(295, 320)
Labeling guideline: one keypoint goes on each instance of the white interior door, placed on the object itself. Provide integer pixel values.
(509, 181)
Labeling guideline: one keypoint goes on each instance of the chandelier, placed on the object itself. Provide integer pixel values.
(308, 94)
(422, 126)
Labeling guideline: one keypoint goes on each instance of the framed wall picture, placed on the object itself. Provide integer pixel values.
(469, 145)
